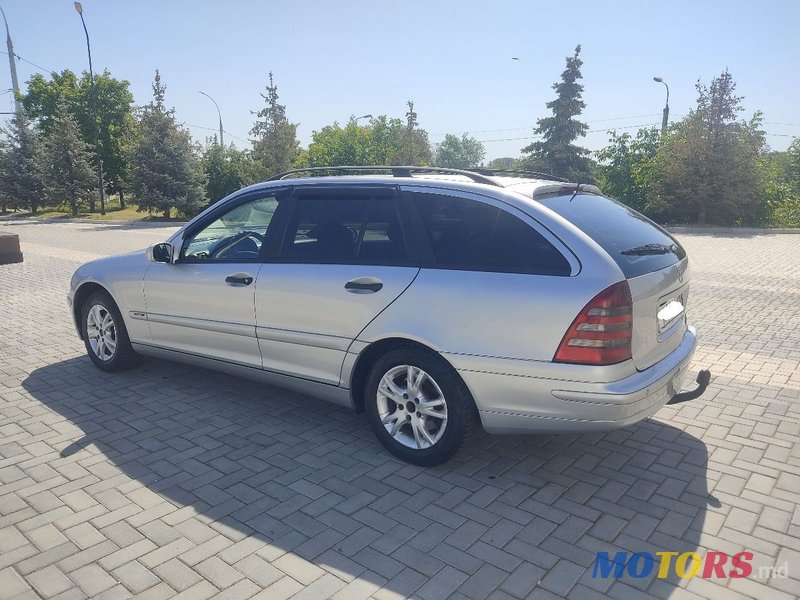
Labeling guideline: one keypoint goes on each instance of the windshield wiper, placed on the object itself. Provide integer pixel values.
(648, 249)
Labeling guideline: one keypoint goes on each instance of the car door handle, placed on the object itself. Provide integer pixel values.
(238, 279)
(364, 285)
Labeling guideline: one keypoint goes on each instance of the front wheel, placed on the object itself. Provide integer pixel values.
(104, 334)
(418, 407)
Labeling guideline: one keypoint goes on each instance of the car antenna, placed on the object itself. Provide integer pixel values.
(575, 193)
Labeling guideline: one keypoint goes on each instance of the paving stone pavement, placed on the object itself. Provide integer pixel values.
(169, 481)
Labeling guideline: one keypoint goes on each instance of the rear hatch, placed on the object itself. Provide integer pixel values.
(653, 262)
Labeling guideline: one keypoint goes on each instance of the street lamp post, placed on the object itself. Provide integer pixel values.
(665, 118)
(219, 114)
(93, 100)
(362, 117)
(12, 64)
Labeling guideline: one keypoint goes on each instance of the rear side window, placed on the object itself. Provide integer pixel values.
(636, 244)
(470, 235)
(344, 229)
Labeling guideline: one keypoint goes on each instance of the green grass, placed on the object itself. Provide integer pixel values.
(113, 213)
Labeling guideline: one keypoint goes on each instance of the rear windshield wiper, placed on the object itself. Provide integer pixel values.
(648, 249)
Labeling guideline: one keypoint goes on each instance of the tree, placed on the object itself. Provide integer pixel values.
(4, 200)
(67, 160)
(383, 141)
(709, 168)
(459, 153)
(384, 138)
(783, 186)
(114, 116)
(414, 147)
(624, 164)
(555, 152)
(21, 182)
(115, 122)
(506, 163)
(352, 144)
(43, 96)
(275, 146)
(226, 169)
(165, 172)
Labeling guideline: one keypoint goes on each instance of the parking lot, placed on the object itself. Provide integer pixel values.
(169, 481)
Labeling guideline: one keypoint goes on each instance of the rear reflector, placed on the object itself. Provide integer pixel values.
(601, 333)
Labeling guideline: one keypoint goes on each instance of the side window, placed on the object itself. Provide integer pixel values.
(382, 242)
(344, 229)
(236, 235)
(470, 235)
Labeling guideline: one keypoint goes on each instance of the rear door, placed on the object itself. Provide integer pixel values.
(344, 258)
(653, 262)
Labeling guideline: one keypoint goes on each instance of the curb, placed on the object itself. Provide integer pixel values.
(729, 230)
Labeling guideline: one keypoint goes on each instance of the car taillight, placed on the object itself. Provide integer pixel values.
(601, 333)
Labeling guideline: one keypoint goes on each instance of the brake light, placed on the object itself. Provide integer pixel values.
(601, 333)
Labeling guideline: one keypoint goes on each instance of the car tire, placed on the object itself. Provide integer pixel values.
(104, 334)
(418, 407)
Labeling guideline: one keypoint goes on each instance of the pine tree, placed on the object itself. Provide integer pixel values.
(275, 146)
(165, 172)
(555, 152)
(67, 161)
(21, 182)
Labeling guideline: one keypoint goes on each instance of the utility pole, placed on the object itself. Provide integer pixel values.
(93, 99)
(665, 118)
(12, 65)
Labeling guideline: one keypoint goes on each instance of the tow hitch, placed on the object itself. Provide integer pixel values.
(703, 379)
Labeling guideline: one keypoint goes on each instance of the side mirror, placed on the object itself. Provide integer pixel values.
(161, 253)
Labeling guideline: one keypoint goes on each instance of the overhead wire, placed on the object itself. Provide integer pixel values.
(30, 62)
(225, 131)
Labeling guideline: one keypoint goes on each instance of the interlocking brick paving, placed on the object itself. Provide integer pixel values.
(170, 481)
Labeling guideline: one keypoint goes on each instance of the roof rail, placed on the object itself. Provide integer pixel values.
(515, 173)
(396, 171)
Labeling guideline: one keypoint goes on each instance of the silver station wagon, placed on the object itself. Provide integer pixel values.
(432, 299)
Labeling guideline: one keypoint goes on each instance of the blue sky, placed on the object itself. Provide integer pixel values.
(454, 59)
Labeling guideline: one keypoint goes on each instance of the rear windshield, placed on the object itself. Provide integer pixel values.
(637, 244)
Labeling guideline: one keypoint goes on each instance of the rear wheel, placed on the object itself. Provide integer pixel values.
(104, 334)
(418, 407)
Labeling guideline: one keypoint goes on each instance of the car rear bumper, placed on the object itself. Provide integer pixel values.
(520, 403)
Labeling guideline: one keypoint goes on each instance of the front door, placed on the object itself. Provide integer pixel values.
(344, 259)
(204, 303)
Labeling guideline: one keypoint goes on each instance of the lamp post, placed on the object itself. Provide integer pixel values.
(93, 100)
(12, 64)
(665, 118)
(219, 114)
(362, 117)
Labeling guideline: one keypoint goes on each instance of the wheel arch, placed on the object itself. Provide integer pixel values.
(83, 292)
(367, 357)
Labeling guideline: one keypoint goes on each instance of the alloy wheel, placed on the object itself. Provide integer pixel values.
(412, 407)
(101, 332)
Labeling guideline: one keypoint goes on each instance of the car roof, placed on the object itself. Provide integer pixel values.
(527, 186)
